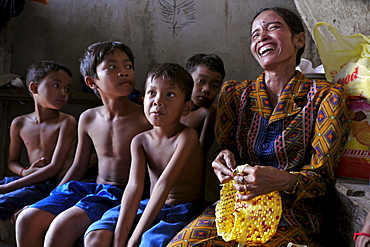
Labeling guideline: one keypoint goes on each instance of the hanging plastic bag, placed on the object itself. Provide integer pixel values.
(346, 60)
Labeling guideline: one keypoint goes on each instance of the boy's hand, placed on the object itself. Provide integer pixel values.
(4, 189)
(34, 167)
(133, 243)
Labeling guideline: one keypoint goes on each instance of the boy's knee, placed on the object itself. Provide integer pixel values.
(98, 237)
(33, 217)
(72, 217)
(26, 216)
(29, 223)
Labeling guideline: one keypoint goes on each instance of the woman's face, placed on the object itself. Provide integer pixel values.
(272, 42)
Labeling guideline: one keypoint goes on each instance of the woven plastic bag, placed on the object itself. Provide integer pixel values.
(346, 60)
(251, 222)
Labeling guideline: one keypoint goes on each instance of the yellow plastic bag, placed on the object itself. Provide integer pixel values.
(334, 55)
(355, 77)
(346, 60)
(251, 222)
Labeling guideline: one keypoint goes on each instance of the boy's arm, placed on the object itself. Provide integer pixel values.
(64, 144)
(207, 136)
(188, 141)
(132, 195)
(83, 151)
(15, 147)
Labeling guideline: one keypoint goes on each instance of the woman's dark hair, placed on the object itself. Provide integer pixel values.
(293, 21)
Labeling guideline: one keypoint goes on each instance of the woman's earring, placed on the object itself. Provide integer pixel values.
(297, 46)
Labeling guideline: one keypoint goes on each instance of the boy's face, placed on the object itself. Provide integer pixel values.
(115, 75)
(164, 104)
(53, 90)
(207, 84)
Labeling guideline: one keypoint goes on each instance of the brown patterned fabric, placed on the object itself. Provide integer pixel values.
(202, 233)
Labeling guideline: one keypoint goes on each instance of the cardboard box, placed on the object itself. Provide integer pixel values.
(355, 160)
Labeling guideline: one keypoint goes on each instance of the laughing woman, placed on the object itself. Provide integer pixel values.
(289, 129)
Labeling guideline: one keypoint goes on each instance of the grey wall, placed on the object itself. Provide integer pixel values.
(62, 29)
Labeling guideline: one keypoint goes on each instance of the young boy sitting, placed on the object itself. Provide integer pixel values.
(208, 73)
(65, 215)
(172, 154)
(48, 135)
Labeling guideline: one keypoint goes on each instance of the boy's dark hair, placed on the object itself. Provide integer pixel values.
(293, 21)
(38, 71)
(177, 76)
(96, 53)
(211, 61)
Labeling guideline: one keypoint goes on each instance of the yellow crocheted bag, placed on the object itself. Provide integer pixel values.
(251, 222)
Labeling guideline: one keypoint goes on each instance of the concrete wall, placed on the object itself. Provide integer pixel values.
(62, 29)
(349, 17)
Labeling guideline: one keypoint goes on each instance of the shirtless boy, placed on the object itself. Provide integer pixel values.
(61, 218)
(173, 156)
(48, 136)
(208, 73)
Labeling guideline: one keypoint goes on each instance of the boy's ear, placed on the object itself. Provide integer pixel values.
(187, 107)
(33, 87)
(90, 82)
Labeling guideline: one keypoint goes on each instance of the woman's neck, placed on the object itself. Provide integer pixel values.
(276, 82)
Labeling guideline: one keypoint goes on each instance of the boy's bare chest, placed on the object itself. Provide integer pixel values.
(40, 135)
(160, 154)
(113, 139)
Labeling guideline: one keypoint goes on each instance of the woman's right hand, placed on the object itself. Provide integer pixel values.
(223, 166)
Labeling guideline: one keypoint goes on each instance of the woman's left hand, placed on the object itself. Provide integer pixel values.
(259, 180)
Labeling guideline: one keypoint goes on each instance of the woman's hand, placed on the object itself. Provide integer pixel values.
(259, 180)
(223, 166)
(364, 241)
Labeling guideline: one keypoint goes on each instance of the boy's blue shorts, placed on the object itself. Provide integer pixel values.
(170, 220)
(93, 198)
(24, 196)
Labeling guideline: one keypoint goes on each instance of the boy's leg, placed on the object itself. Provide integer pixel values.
(72, 223)
(17, 199)
(67, 227)
(99, 238)
(31, 226)
(170, 220)
(100, 233)
(42, 213)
